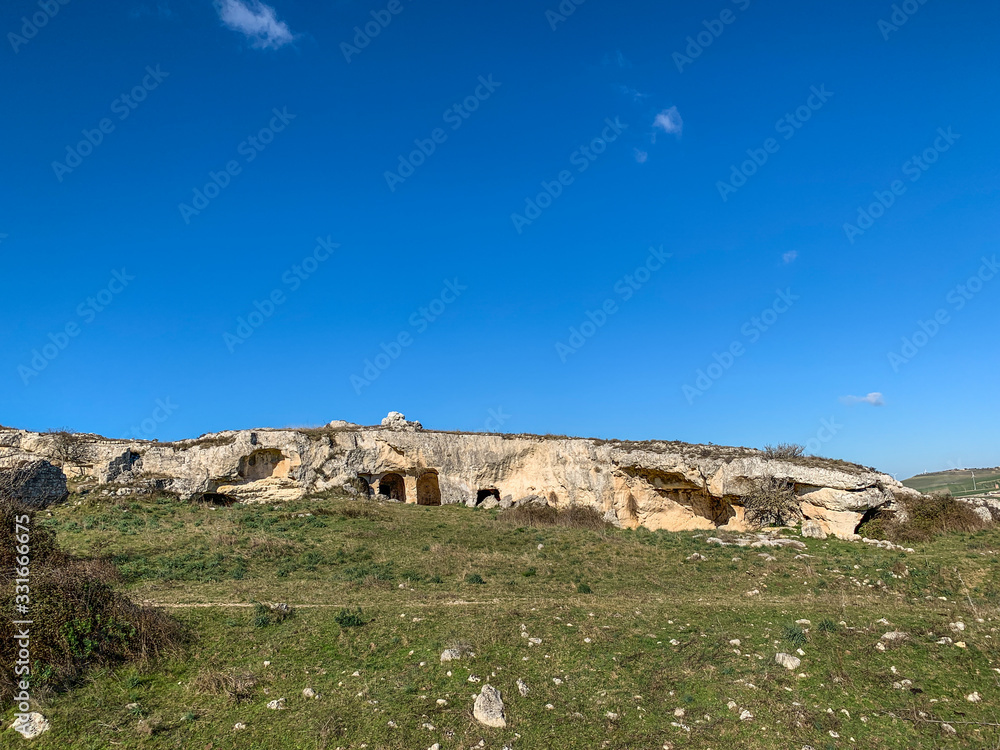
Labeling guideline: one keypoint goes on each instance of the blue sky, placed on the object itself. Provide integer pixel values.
(730, 222)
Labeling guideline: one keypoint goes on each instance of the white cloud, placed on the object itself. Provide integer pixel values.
(670, 120)
(641, 156)
(790, 256)
(257, 21)
(875, 399)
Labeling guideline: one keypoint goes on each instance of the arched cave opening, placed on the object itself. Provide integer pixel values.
(392, 487)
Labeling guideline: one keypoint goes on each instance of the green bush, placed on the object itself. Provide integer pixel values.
(582, 588)
(79, 620)
(350, 618)
(475, 578)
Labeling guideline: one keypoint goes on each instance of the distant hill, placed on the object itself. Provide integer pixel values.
(958, 481)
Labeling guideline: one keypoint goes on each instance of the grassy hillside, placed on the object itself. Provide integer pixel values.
(636, 637)
(957, 481)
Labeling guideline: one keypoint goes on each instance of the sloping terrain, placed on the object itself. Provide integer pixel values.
(624, 638)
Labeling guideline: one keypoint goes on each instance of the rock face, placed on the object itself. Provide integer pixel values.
(659, 485)
(488, 708)
(32, 480)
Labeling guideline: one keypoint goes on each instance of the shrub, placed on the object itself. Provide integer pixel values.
(827, 625)
(475, 578)
(922, 519)
(239, 686)
(582, 588)
(270, 614)
(794, 635)
(350, 618)
(574, 516)
(771, 502)
(79, 620)
(783, 450)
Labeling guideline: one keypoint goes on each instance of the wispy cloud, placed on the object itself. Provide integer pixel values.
(790, 256)
(875, 399)
(617, 59)
(257, 21)
(641, 156)
(670, 121)
(633, 94)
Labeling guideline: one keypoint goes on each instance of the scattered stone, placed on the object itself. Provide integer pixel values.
(731, 705)
(735, 642)
(803, 622)
(277, 705)
(610, 715)
(812, 530)
(973, 697)
(695, 557)
(522, 687)
(488, 708)
(451, 654)
(788, 661)
(309, 693)
(949, 728)
(31, 726)
(679, 713)
(746, 715)
(239, 726)
(957, 627)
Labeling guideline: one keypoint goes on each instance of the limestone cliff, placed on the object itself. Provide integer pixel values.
(659, 485)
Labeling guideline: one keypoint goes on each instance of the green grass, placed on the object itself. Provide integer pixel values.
(626, 622)
(958, 481)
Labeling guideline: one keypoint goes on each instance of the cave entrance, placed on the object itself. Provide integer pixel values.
(392, 487)
(481, 495)
(428, 489)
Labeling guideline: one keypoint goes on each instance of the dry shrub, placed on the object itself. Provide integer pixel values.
(574, 516)
(771, 502)
(364, 509)
(239, 686)
(79, 620)
(271, 548)
(783, 450)
(924, 519)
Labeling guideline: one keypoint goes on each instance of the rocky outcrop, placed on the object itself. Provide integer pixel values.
(659, 485)
(31, 480)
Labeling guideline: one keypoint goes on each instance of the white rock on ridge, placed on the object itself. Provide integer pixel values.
(488, 708)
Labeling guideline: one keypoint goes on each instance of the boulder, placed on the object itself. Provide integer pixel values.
(31, 725)
(396, 421)
(812, 530)
(488, 708)
(36, 483)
